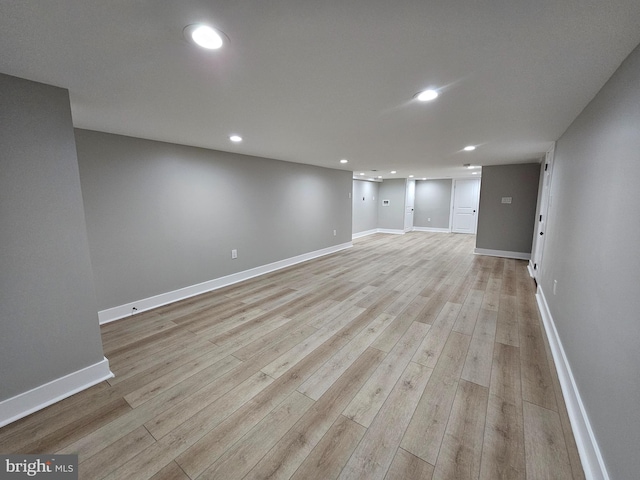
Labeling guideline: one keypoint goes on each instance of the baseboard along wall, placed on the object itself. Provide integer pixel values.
(142, 305)
(26, 403)
(590, 455)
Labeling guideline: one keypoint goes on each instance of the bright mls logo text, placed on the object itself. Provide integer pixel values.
(45, 466)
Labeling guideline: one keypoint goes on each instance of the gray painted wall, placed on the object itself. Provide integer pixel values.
(392, 217)
(365, 206)
(591, 249)
(508, 227)
(433, 201)
(162, 216)
(48, 312)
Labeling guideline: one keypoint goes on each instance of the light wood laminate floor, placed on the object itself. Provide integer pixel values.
(404, 357)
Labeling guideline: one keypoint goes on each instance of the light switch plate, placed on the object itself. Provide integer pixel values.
(506, 199)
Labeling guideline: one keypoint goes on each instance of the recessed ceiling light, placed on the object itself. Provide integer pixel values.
(469, 148)
(474, 173)
(393, 171)
(470, 167)
(410, 176)
(427, 95)
(379, 176)
(424, 179)
(362, 173)
(204, 36)
(344, 161)
(235, 138)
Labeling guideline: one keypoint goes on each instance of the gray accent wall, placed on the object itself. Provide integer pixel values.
(508, 227)
(48, 309)
(392, 217)
(161, 217)
(365, 205)
(591, 249)
(433, 203)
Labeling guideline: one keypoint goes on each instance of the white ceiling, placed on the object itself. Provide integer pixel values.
(317, 81)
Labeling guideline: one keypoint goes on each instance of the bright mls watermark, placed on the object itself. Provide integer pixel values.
(51, 467)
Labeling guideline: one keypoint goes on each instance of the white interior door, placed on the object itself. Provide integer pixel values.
(541, 224)
(466, 194)
(410, 190)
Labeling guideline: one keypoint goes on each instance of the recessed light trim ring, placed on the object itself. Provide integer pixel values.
(205, 36)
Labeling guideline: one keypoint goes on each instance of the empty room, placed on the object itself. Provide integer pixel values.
(319, 240)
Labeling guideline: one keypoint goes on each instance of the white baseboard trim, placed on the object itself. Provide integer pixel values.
(364, 234)
(502, 253)
(392, 231)
(530, 269)
(432, 229)
(122, 311)
(590, 456)
(26, 403)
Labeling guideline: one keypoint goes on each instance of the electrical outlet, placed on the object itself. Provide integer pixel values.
(334, 233)
(234, 253)
(555, 285)
(429, 219)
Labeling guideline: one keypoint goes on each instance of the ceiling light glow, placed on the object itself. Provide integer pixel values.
(344, 161)
(427, 95)
(235, 138)
(204, 36)
(469, 148)
(393, 171)
(410, 176)
(362, 173)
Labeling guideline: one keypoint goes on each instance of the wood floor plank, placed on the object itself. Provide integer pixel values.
(216, 408)
(477, 365)
(292, 449)
(537, 384)
(390, 336)
(243, 455)
(461, 449)
(272, 338)
(347, 329)
(374, 454)
(545, 452)
(429, 351)
(324, 377)
(507, 326)
(290, 358)
(215, 361)
(151, 369)
(115, 454)
(503, 445)
(435, 304)
(508, 286)
(424, 434)
(366, 404)
(491, 298)
(77, 428)
(330, 455)
(213, 444)
(466, 320)
(406, 466)
(171, 472)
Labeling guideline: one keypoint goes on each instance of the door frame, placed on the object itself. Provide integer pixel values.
(542, 217)
(409, 204)
(453, 206)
